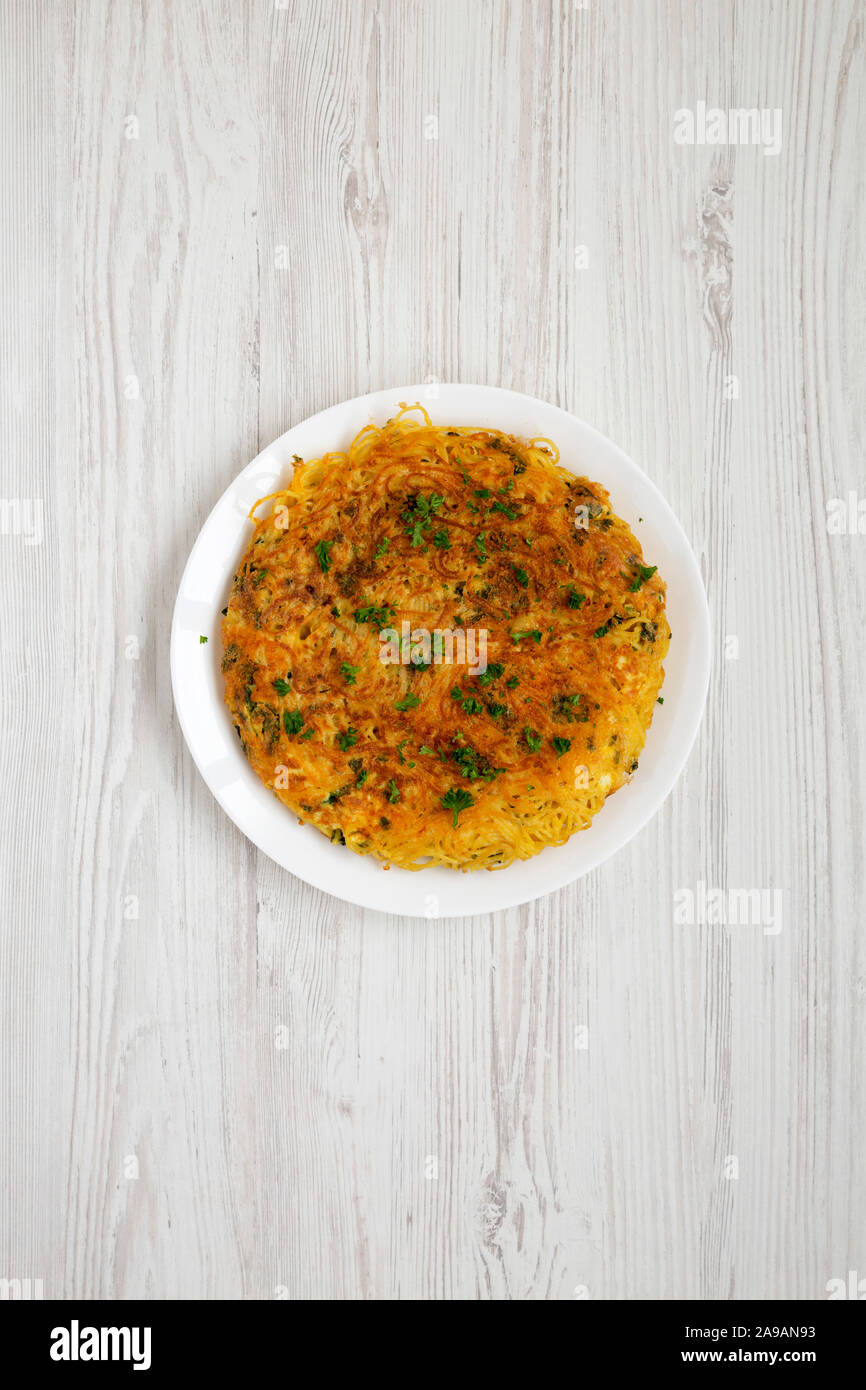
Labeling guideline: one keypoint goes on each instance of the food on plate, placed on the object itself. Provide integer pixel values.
(442, 647)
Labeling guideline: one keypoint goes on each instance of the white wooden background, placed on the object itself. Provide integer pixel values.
(437, 1124)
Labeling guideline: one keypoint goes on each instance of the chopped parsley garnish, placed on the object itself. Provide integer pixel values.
(349, 672)
(393, 791)
(533, 739)
(408, 702)
(467, 702)
(532, 632)
(323, 555)
(473, 764)
(644, 572)
(495, 710)
(480, 548)
(494, 670)
(604, 629)
(201, 640)
(441, 540)
(561, 745)
(381, 548)
(568, 708)
(521, 576)
(419, 514)
(293, 721)
(361, 777)
(506, 511)
(281, 686)
(348, 739)
(660, 700)
(574, 598)
(512, 682)
(380, 615)
(456, 800)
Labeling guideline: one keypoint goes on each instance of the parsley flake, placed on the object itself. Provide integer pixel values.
(644, 572)
(323, 555)
(494, 670)
(293, 721)
(456, 800)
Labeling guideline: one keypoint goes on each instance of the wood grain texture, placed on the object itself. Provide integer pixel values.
(250, 1089)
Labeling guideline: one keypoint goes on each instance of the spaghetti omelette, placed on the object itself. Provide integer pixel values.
(442, 647)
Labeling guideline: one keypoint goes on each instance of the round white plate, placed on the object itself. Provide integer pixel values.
(198, 684)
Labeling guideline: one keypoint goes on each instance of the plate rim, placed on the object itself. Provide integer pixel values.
(430, 393)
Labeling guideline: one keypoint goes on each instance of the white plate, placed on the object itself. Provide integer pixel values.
(198, 685)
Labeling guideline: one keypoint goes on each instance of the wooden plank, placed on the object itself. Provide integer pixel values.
(221, 219)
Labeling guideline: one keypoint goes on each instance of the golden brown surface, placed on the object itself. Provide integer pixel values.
(448, 530)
